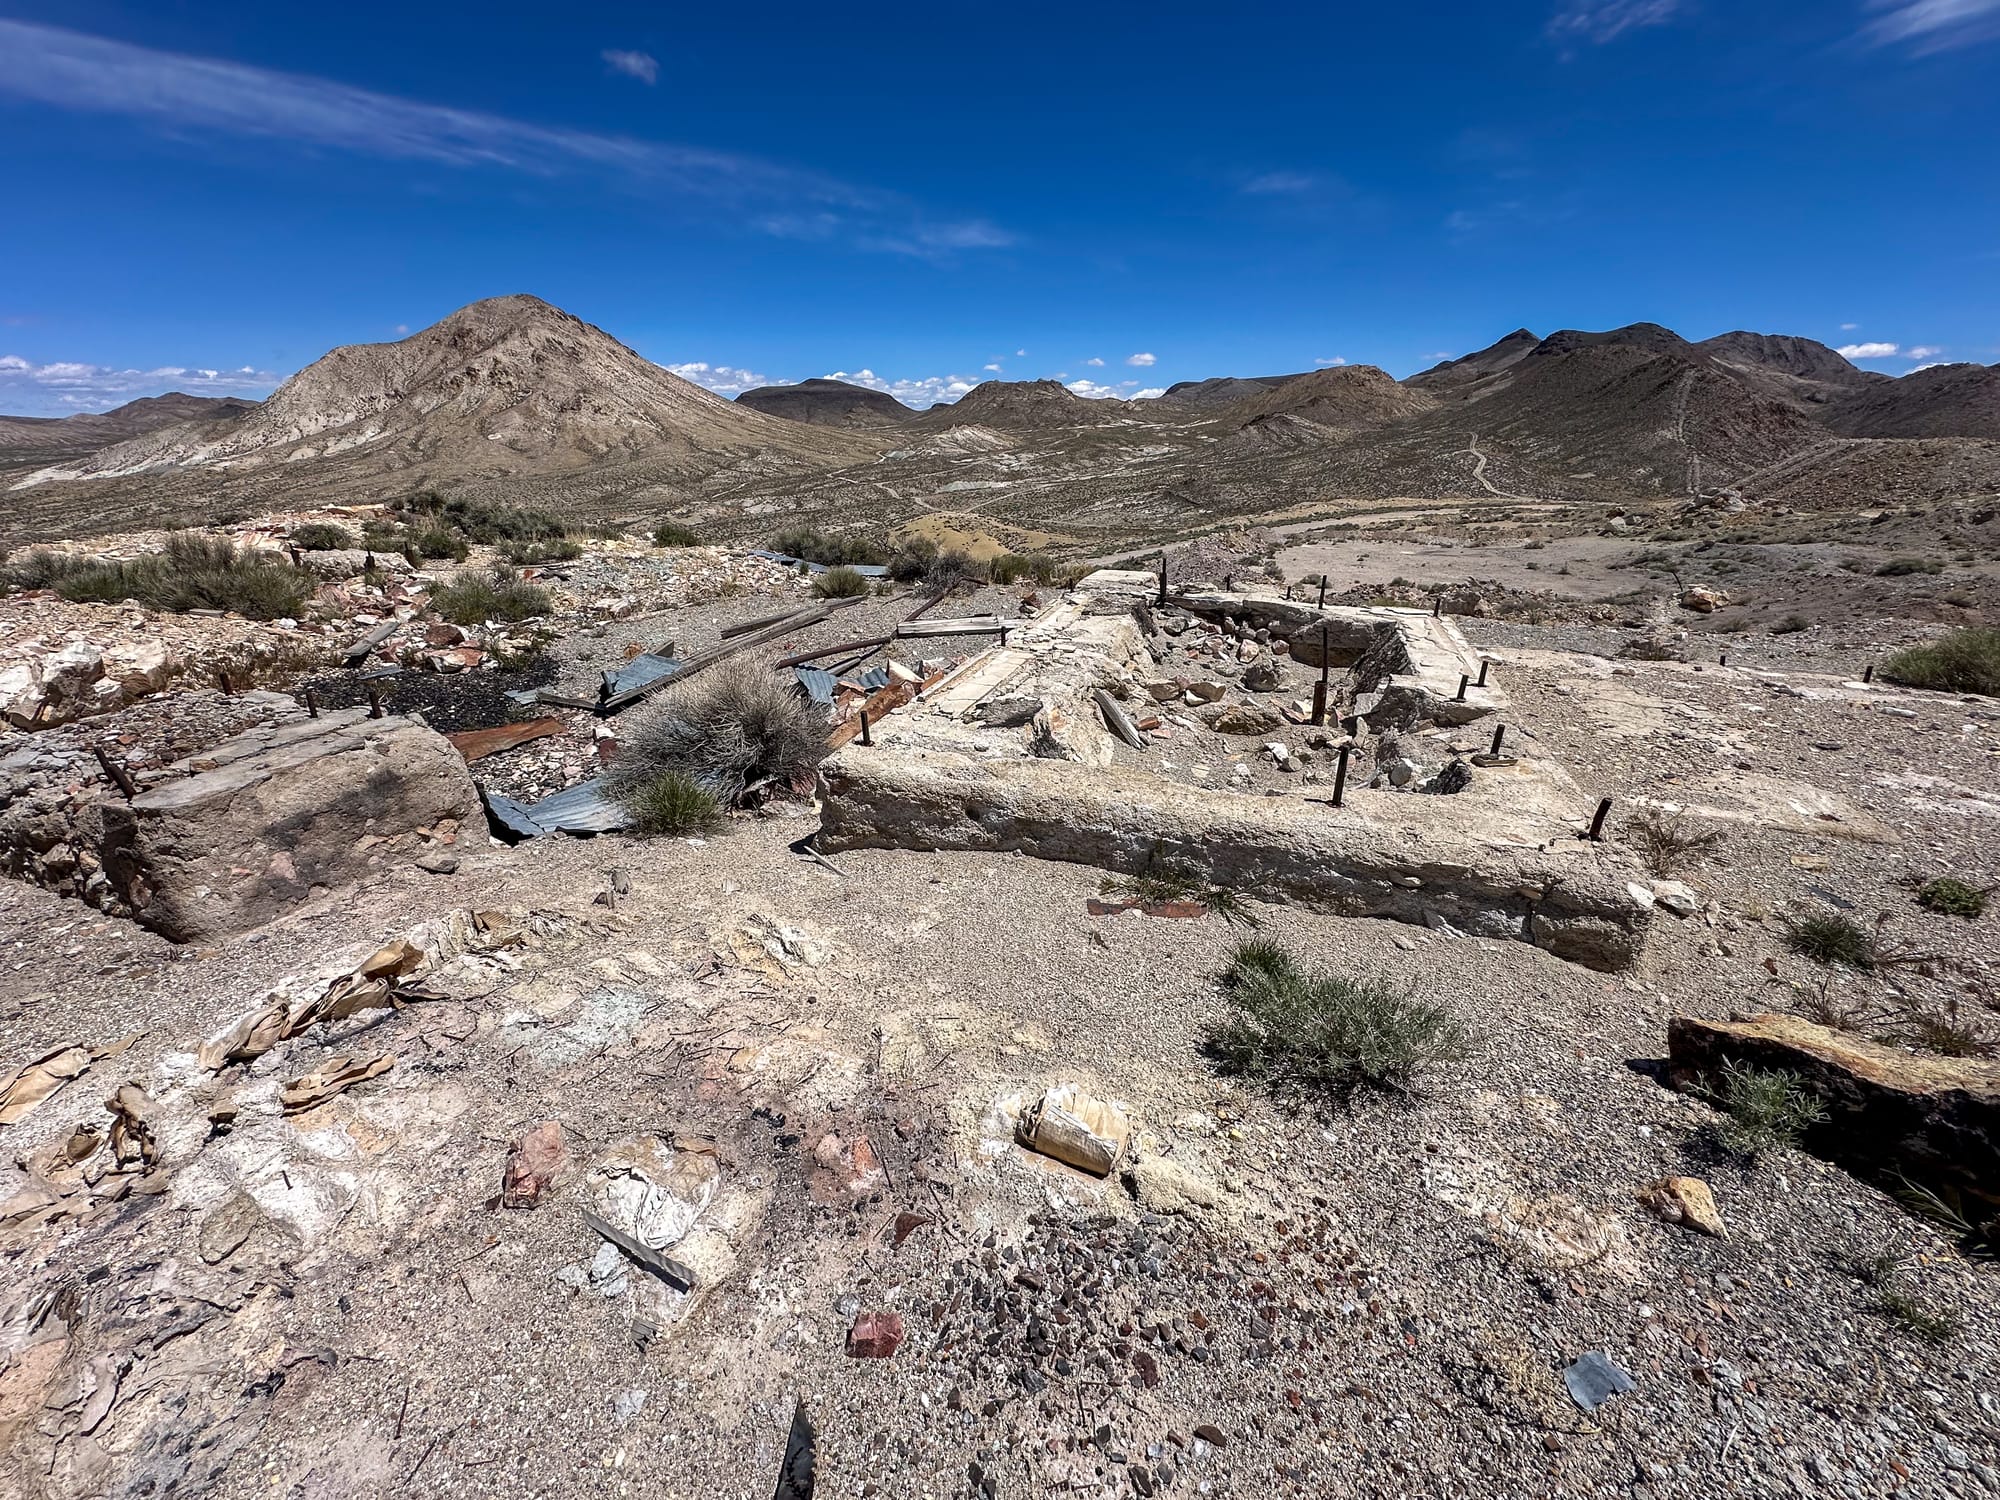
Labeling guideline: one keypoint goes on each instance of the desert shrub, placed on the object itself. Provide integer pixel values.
(1668, 843)
(816, 546)
(1903, 1309)
(1167, 882)
(731, 728)
(1949, 1033)
(384, 536)
(195, 572)
(672, 804)
(473, 599)
(435, 542)
(322, 536)
(42, 568)
(1903, 567)
(483, 520)
(948, 570)
(1831, 939)
(1791, 625)
(1952, 897)
(1763, 1109)
(841, 583)
(1326, 1034)
(913, 559)
(1008, 567)
(674, 534)
(562, 549)
(1964, 661)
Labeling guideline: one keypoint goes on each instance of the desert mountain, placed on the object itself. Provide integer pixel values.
(1788, 368)
(1345, 397)
(1025, 406)
(1491, 360)
(828, 403)
(1220, 390)
(1943, 401)
(54, 437)
(506, 386)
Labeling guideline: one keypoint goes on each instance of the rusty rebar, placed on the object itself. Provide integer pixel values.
(1340, 775)
(1596, 833)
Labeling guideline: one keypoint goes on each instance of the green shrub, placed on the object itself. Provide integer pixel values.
(484, 521)
(474, 599)
(1952, 897)
(194, 572)
(733, 727)
(1326, 1034)
(562, 549)
(816, 546)
(1008, 567)
(1764, 1109)
(1913, 1316)
(672, 804)
(385, 536)
(673, 534)
(1830, 939)
(1903, 567)
(43, 568)
(436, 542)
(841, 583)
(321, 536)
(1964, 661)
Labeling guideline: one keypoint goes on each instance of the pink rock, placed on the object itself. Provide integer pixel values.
(875, 1335)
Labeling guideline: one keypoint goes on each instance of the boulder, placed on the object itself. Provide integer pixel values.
(1263, 677)
(1890, 1114)
(267, 817)
(139, 667)
(1246, 718)
(1703, 601)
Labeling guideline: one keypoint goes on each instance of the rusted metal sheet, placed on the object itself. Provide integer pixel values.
(475, 744)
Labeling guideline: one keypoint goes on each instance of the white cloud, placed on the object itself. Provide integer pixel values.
(1922, 351)
(1020, 354)
(1933, 25)
(1600, 21)
(640, 65)
(182, 95)
(1936, 364)
(1327, 364)
(1124, 390)
(1281, 184)
(1142, 360)
(994, 367)
(1095, 363)
(927, 391)
(65, 387)
(402, 328)
(1849, 327)
(1865, 351)
(724, 380)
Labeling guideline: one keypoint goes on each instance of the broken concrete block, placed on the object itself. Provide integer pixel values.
(1073, 1127)
(279, 812)
(1934, 1121)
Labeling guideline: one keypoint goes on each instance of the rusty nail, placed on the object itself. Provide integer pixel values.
(864, 726)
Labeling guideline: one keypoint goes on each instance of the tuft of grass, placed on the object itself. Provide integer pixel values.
(827, 549)
(1904, 567)
(42, 568)
(1946, 1211)
(561, 549)
(1668, 843)
(674, 534)
(1830, 939)
(194, 572)
(1949, 1033)
(671, 804)
(1962, 661)
(1952, 897)
(322, 536)
(735, 727)
(499, 596)
(1791, 625)
(1162, 883)
(1326, 1034)
(1903, 1308)
(1764, 1109)
(841, 583)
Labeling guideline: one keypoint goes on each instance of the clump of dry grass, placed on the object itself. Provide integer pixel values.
(1669, 843)
(730, 730)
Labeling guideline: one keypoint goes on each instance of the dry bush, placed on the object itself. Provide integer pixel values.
(737, 726)
(1668, 843)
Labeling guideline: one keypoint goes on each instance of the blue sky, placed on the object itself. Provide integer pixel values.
(206, 197)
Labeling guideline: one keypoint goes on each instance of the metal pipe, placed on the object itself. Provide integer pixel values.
(1499, 734)
(1483, 665)
(1464, 682)
(1596, 833)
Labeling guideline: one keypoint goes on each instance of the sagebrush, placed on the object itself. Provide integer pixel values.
(476, 598)
(1328, 1035)
(1964, 661)
(191, 572)
(1763, 1109)
(737, 726)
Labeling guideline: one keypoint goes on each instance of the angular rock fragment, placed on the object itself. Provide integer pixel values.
(875, 1335)
(533, 1164)
(1074, 1128)
(1686, 1200)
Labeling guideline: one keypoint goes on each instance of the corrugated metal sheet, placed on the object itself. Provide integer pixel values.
(637, 672)
(583, 808)
(866, 570)
(820, 683)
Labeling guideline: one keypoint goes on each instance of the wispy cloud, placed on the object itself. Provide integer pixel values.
(1923, 351)
(65, 387)
(1288, 184)
(1142, 360)
(1866, 351)
(724, 380)
(179, 94)
(1936, 364)
(1601, 21)
(1926, 26)
(925, 391)
(640, 65)
(994, 367)
(1849, 327)
(1094, 362)
(1330, 363)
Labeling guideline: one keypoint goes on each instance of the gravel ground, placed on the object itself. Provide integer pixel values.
(1378, 1300)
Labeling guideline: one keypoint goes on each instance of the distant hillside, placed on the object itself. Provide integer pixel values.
(1024, 406)
(1788, 368)
(1466, 368)
(508, 385)
(25, 438)
(1345, 397)
(828, 403)
(1944, 401)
